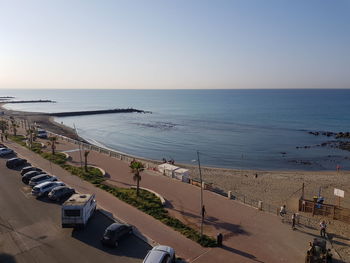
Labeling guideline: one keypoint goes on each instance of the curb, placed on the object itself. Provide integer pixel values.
(136, 232)
(162, 199)
(68, 157)
(99, 168)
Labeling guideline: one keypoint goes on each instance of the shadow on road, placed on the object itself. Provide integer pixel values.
(233, 229)
(91, 235)
(241, 253)
(6, 258)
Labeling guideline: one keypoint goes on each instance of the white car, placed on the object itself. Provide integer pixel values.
(44, 188)
(160, 254)
(41, 179)
(5, 151)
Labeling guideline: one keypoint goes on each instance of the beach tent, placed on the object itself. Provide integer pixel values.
(182, 174)
(167, 169)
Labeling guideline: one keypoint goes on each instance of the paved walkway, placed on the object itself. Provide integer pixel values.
(249, 235)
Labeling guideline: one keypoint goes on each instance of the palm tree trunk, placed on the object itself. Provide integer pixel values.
(85, 163)
(138, 186)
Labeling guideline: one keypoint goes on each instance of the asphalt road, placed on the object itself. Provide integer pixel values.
(30, 230)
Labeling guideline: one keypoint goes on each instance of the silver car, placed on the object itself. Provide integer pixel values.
(5, 151)
(160, 254)
(41, 179)
(44, 188)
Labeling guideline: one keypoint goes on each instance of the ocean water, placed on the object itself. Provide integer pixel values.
(243, 129)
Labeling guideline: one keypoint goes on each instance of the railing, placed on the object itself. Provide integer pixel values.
(152, 165)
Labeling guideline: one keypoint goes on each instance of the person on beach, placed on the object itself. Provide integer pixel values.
(323, 226)
(6, 136)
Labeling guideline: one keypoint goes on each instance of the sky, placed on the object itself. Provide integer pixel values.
(174, 44)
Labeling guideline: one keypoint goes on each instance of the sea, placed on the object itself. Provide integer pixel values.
(240, 129)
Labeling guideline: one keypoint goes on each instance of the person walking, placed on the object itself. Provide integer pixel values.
(293, 221)
(323, 226)
(2, 137)
(203, 211)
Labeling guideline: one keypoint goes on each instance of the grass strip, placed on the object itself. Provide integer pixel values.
(146, 202)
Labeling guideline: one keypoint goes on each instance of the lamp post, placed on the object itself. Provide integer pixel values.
(202, 209)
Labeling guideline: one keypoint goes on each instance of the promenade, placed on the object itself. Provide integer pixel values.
(249, 235)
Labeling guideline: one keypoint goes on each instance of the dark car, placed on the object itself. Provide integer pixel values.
(29, 169)
(114, 233)
(60, 193)
(15, 162)
(27, 176)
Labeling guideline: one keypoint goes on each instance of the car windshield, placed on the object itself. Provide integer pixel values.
(108, 233)
(39, 178)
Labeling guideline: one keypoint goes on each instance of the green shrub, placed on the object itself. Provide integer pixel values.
(20, 139)
(58, 158)
(151, 205)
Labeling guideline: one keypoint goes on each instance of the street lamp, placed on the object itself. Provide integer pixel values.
(202, 209)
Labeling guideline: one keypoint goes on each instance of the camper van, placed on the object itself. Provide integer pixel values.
(77, 210)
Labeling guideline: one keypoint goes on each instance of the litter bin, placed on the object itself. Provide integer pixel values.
(219, 239)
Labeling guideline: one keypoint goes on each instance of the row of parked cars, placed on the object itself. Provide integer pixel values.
(78, 208)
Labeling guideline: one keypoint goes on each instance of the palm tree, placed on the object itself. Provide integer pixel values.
(30, 132)
(136, 168)
(86, 153)
(14, 126)
(52, 142)
(3, 126)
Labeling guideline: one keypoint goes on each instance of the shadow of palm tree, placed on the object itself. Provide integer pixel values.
(233, 229)
(241, 253)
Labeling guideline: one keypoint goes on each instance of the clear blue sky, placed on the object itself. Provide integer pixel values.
(175, 44)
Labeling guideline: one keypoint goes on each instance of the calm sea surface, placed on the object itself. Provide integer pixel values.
(245, 129)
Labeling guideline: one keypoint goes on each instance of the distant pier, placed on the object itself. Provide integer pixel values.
(31, 101)
(95, 112)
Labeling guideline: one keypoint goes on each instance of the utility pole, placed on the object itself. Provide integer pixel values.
(81, 159)
(202, 210)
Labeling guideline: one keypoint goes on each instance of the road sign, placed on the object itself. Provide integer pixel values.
(338, 192)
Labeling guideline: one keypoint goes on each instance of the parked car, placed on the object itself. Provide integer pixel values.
(41, 178)
(15, 162)
(60, 193)
(44, 188)
(114, 233)
(160, 254)
(41, 134)
(5, 151)
(27, 176)
(29, 169)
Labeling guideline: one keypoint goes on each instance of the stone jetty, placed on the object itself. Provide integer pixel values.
(95, 112)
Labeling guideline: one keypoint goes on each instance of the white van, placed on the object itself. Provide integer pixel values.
(77, 210)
